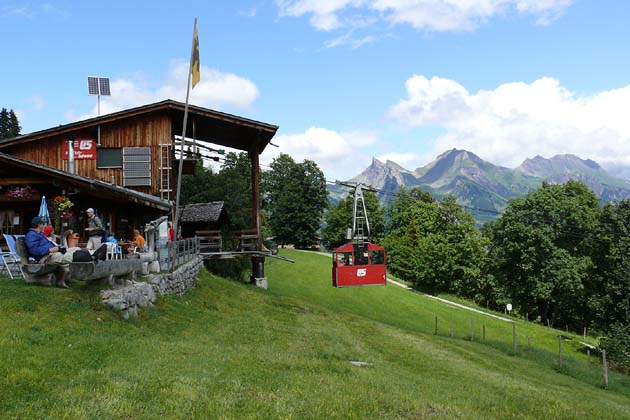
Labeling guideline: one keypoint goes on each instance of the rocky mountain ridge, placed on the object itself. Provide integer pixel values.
(483, 186)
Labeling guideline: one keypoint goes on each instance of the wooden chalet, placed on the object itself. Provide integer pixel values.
(124, 163)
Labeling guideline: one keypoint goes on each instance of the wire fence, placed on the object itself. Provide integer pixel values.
(591, 366)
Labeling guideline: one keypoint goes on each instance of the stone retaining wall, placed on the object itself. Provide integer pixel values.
(135, 295)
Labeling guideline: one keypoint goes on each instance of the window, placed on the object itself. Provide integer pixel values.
(377, 257)
(136, 167)
(109, 158)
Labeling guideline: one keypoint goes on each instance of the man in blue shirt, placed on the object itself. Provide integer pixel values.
(45, 252)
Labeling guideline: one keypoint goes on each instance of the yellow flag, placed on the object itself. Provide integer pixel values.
(194, 59)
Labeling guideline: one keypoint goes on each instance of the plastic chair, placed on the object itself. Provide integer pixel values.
(113, 251)
(11, 259)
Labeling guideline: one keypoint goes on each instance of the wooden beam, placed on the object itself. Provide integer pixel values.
(24, 181)
(255, 171)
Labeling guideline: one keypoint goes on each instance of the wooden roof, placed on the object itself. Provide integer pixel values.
(12, 165)
(210, 126)
(202, 212)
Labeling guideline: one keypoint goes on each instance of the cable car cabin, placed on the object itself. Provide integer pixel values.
(359, 266)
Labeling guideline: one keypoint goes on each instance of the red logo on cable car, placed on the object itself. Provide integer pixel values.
(361, 272)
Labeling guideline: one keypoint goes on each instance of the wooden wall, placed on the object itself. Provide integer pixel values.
(149, 130)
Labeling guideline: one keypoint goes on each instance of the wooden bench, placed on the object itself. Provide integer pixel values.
(247, 240)
(210, 240)
(43, 274)
(46, 274)
(108, 269)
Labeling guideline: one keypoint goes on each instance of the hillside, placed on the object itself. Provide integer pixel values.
(228, 350)
(485, 187)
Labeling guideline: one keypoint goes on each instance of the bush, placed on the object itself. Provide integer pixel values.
(617, 346)
(236, 269)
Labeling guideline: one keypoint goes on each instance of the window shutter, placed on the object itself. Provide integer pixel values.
(136, 167)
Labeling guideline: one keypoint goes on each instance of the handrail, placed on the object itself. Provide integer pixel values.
(181, 251)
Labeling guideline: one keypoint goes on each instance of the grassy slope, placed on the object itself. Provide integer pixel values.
(227, 350)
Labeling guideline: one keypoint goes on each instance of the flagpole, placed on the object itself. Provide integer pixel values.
(181, 150)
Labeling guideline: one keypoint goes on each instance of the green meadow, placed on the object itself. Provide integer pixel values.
(230, 350)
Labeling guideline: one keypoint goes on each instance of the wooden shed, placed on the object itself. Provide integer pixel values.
(202, 217)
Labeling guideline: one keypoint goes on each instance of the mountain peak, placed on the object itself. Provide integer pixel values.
(566, 163)
(376, 163)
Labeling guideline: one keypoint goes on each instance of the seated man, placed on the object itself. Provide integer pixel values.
(139, 242)
(110, 238)
(45, 252)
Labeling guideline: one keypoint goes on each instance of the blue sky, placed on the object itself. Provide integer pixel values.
(345, 80)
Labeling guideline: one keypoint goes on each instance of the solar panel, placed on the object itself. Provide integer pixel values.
(93, 85)
(103, 83)
(99, 86)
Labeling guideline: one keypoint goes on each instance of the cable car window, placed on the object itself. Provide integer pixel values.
(345, 258)
(362, 258)
(377, 257)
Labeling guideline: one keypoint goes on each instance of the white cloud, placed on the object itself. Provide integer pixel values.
(32, 10)
(250, 13)
(434, 15)
(519, 120)
(38, 102)
(348, 39)
(215, 90)
(336, 153)
(323, 12)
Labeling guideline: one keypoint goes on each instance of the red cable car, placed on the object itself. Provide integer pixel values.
(359, 262)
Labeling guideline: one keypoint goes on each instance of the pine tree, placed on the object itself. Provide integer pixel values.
(4, 124)
(13, 125)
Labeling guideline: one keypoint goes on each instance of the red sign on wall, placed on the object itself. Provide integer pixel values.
(84, 149)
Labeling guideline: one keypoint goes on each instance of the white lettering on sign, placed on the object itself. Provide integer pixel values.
(361, 272)
(85, 144)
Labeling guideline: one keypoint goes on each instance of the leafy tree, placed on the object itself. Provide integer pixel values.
(339, 218)
(609, 295)
(540, 251)
(295, 199)
(434, 245)
(201, 187)
(232, 184)
(235, 181)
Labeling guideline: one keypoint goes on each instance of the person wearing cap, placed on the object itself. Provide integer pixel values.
(44, 251)
(94, 230)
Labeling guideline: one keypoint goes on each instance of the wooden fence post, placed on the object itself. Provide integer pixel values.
(514, 336)
(452, 328)
(560, 350)
(605, 363)
(484, 332)
(529, 341)
(472, 329)
(588, 356)
(436, 325)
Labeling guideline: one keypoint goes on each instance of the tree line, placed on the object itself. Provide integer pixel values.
(556, 255)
